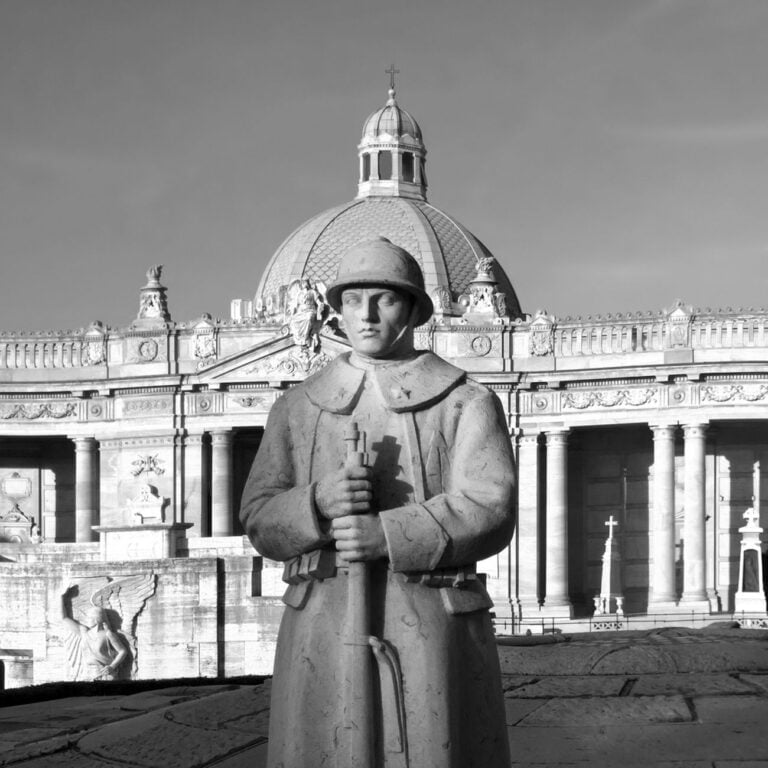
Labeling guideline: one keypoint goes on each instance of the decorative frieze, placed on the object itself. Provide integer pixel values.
(34, 411)
(100, 409)
(295, 362)
(142, 442)
(258, 402)
(610, 399)
(147, 406)
(727, 393)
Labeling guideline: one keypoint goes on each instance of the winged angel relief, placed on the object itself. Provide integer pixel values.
(99, 617)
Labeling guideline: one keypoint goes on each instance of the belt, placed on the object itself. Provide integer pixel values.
(320, 564)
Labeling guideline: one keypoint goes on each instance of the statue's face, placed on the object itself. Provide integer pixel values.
(378, 321)
(95, 616)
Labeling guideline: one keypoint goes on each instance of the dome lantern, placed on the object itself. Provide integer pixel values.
(392, 153)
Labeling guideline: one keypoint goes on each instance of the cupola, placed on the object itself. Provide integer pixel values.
(392, 153)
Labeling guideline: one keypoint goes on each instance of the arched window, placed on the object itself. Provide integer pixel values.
(366, 167)
(385, 165)
(407, 166)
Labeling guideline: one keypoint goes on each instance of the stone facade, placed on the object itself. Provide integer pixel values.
(125, 449)
(656, 422)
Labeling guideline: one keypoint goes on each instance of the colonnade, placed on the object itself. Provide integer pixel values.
(542, 532)
(221, 482)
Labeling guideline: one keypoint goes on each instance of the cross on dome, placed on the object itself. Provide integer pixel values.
(392, 72)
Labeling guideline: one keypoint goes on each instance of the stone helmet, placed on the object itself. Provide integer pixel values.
(382, 263)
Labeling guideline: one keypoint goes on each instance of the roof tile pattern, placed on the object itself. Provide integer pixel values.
(440, 244)
(288, 261)
(458, 244)
(362, 221)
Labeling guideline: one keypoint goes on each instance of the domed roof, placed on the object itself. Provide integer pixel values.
(447, 252)
(391, 120)
(391, 202)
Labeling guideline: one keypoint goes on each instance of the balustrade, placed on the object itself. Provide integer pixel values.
(624, 335)
(44, 354)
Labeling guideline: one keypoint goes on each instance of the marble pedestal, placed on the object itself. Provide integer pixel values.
(150, 541)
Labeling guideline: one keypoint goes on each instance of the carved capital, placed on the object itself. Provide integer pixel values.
(557, 437)
(662, 432)
(528, 439)
(85, 444)
(695, 431)
(221, 438)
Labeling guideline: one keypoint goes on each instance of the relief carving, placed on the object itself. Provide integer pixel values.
(149, 506)
(726, 393)
(423, 337)
(441, 300)
(143, 350)
(147, 350)
(38, 411)
(678, 325)
(204, 348)
(481, 345)
(15, 524)
(542, 341)
(500, 304)
(99, 618)
(144, 407)
(251, 401)
(298, 362)
(634, 398)
(149, 464)
(95, 347)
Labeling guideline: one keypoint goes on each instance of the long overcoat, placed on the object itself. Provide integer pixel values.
(443, 489)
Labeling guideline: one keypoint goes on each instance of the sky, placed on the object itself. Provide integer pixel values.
(612, 154)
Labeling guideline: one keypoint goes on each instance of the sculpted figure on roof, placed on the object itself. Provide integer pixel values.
(306, 313)
(380, 482)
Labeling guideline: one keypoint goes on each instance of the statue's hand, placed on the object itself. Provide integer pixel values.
(359, 537)
(346, 492)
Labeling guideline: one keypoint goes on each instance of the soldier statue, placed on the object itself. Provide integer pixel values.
(380, 481)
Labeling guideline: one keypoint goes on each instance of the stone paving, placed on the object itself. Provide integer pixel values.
(663, 698)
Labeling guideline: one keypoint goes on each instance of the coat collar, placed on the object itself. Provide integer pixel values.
(406, 386)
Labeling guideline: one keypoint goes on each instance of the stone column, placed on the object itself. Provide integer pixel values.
(221, 483)
(556, 598)
(528, 525)
(196, 472)
(662, 529)
(86, 498)
(694, 538)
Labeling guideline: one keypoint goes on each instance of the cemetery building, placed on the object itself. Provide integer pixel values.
(124, 448)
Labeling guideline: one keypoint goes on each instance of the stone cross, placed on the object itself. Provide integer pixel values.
(392, 72)
(611, 523)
